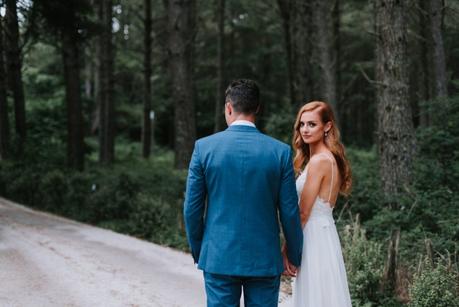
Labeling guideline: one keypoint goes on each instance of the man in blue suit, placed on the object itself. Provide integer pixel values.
(240, 185)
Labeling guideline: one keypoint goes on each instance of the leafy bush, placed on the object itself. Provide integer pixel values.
(150, 216)
(53, 188)
(112, 197)
(434, 286)
(141, 198)
(364, 265)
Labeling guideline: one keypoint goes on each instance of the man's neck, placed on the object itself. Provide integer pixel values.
(249, 118)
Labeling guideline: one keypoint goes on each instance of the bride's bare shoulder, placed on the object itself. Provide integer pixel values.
(319, 163)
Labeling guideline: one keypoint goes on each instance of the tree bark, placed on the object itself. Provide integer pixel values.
(106, 111)
(336, 15)
(71, 60)
(435, 13)
(425, 65)
(391, 266)
(300, 33)
(324, 50)
(4, 121)
(13, 57)
(285, 12)
(396, 139)
(181, 26)
(146, 127)
(220, 93)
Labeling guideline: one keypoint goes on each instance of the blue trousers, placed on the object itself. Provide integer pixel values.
(225, 290)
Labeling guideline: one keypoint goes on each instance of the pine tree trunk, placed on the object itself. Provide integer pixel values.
(396, 139)
(285, 12)
(435, 12)
(95, 124)
(336, 15)
(425, 64)
(71, 60)
(324, 50)
(4, 121)
(300, 33)
(389, 282)
(13, 57)
(219, 101)
(181, 26)
(106, 111)
(146, 127)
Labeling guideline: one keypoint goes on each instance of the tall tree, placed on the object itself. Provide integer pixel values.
(181, 28)
(285, 13)
(301, 50)
(4, 123)
(146, 131)
(423, 69)
(106, 83)
(220, 65)
(435, 13)
(71, 55)
(13, 58)
(324, 50)
(66, 22)
(396, 139)
(336, 15)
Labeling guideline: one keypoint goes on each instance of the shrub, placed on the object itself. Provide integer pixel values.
(435, 286)
(364, 265)
(150, 216)
(53, 187)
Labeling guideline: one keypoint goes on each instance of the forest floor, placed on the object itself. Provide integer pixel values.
(47, 260)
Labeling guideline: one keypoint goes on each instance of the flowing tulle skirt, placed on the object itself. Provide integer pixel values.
(321, 280)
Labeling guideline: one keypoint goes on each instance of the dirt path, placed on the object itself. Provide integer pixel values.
(50, 261)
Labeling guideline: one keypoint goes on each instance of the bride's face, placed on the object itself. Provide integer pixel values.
(312, 129)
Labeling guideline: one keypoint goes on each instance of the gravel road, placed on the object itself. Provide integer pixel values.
(47, 260)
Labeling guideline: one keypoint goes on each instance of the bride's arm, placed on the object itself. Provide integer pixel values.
(311, 187)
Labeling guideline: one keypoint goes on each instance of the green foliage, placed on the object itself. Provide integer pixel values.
(438, 162)
(365, 197)
(141, 198)
(152, 218)
(280, 124)
(435, 286)
(426, 208)
(364, 265)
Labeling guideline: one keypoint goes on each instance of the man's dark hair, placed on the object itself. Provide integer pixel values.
(244, 96)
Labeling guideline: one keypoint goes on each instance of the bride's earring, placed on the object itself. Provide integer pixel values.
(326, 133)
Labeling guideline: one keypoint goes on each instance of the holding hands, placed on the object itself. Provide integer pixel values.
(289, 269)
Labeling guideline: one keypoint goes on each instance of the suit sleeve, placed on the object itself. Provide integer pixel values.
(194, 206)
(289, 212)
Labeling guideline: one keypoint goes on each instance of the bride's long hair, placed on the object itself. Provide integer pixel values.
(332, 141)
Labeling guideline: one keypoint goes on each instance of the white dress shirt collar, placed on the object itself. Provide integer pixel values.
(242, 122)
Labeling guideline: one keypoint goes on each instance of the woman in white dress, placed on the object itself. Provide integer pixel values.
(323, 172)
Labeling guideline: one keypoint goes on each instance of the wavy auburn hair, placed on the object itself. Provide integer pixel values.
(332, 141)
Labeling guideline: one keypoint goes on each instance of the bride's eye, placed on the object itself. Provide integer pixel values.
(311, 125)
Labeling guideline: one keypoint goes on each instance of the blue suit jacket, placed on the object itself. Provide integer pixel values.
(240, 184)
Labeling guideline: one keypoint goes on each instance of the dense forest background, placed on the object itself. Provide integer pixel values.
(101, 102)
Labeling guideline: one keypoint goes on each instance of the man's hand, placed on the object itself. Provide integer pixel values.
(289, 269)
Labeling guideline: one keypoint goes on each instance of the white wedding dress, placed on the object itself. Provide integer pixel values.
(321, 279)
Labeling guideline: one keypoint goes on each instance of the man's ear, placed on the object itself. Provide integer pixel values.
(229, 108)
